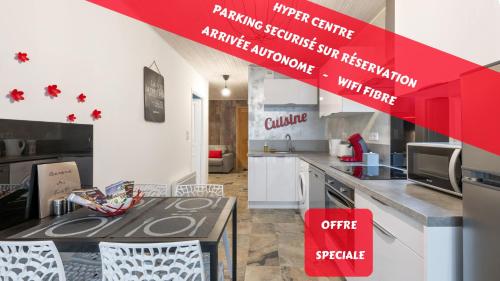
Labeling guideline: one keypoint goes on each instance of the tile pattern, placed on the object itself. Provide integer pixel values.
(270, 241)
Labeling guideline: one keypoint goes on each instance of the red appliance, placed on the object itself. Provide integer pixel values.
(359, 147)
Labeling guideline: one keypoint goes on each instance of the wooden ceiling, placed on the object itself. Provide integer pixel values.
(212, 64)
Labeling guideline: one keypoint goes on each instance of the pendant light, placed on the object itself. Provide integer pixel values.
(225, 92)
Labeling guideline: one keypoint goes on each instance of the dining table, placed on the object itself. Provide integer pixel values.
(152, 220)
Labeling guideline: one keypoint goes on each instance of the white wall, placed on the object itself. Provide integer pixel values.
(86, 48)
(464, 28)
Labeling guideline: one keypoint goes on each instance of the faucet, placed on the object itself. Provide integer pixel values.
(289, 143)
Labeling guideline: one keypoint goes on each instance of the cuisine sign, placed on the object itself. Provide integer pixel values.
(284, 121)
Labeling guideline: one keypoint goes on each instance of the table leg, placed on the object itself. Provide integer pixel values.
(235, 241)
(214, 263)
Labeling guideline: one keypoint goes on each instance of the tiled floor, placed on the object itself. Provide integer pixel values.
(270, 242)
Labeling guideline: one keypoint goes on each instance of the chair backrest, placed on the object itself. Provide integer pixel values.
(159, 261)
(199, 190)
(154, 190)
(34, 261)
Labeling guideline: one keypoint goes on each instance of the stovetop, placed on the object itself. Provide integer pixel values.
(364, 172)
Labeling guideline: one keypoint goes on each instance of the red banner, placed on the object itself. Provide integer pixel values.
(342, 55)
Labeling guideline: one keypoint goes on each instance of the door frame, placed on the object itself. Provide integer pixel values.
(237, 110)
(199, 171)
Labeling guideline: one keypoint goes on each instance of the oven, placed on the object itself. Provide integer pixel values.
(338, 195)
(436, 165)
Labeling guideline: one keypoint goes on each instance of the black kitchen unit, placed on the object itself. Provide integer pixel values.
(24, 144)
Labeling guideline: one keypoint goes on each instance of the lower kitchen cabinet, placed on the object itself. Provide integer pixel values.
(281, 179)
(257, 179)
(272, 182)
(404, 249)
(393, 260)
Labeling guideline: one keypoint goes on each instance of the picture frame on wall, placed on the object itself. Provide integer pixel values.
(154, 96)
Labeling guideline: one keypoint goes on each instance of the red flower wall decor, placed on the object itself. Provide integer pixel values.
(96, 114)
(22, 57)
(81, 97)
(16, 95)
(72, 117)
(53, 91)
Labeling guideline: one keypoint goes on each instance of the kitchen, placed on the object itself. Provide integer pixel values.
(410, 178)
(412, 223)
(307, 148)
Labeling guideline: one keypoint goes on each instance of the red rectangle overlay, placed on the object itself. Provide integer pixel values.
(338, 242)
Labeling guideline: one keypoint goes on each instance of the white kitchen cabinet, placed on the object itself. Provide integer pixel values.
(404, 249)
(289, 91)
(281, 179)
(330, 103)
(272, 182)
(393, 260)
(257, 178)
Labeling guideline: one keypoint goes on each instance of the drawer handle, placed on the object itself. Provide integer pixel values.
(383, 230)
(379, 201)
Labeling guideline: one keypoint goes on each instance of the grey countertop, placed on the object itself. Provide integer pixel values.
(427, 206)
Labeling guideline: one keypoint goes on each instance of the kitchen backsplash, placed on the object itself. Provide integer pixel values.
(369, 124)
(313, 134)
(312, 129)
(282, 145)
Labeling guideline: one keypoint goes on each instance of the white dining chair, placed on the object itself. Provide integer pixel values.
(199, 190)
(31, 260)
(152, 262)
(207, 190)
(154, 189)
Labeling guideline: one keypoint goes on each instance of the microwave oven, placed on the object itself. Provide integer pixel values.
(435, 165)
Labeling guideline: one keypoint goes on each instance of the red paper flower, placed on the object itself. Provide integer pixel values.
(72, 117)
(22, 57)
(53, 91)
(81, 97)
(16, 95)
(96, 114)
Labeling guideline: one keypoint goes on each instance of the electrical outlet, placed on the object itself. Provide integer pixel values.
(187, 135)
(374, 136)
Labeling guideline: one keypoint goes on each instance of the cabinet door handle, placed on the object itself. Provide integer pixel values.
(383, 230)
(379, 201)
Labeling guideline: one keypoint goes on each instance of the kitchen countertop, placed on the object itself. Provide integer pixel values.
(427, 206)
(23, 158)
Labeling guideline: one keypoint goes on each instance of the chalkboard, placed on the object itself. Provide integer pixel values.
(154, 96)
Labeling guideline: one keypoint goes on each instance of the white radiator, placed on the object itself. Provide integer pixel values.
(187, 179)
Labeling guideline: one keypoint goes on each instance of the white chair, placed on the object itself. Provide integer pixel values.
(199, 190)
(33, 260)
(154, 190)
(207, 190)
(152, 262)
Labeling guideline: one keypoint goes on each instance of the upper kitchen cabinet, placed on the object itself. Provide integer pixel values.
(289, 92)
(330, 103)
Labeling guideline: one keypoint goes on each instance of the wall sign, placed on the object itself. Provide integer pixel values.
(284, 121)
(154, 96)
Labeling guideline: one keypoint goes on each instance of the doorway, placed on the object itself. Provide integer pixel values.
(241, 138)
(197, 136)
